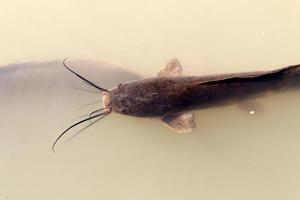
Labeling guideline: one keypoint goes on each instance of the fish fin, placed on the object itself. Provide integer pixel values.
(252, 107)
(180, 122)
(172, 68)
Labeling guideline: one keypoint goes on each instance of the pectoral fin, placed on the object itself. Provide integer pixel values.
(181, 122)
(173, 68)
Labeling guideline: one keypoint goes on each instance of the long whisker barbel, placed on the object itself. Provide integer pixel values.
(84, 120)
(78, 132)
(83, 90)
(89, 114)
(96, 111)
(100, 115)
(84, 79)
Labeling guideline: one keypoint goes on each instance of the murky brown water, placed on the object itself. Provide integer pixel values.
(231, 155)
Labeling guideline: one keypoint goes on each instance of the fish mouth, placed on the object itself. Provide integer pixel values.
(106, 100)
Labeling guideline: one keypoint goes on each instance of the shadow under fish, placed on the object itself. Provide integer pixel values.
(36, 96)
(171, 97)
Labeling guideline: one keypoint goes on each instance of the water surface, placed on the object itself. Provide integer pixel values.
(230, 155)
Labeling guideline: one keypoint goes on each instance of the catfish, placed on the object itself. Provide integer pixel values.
(172, 97)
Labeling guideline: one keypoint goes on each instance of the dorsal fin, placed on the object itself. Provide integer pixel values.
(172, 68)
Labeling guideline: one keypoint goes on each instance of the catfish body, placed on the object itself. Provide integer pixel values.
(171, 96)
(165, 95)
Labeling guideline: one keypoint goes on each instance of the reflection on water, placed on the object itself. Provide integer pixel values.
(231, 155)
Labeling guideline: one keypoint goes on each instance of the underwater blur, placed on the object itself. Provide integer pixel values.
(234, 152)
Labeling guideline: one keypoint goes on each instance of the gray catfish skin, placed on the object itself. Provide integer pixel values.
(156, 97)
